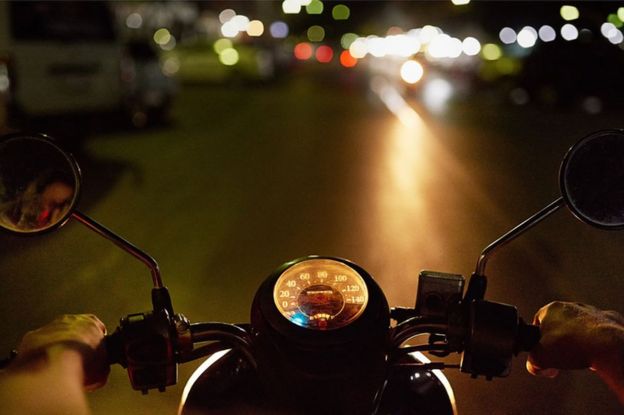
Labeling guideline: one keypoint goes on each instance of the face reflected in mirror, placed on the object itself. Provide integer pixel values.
(592, 179)
(39, 184)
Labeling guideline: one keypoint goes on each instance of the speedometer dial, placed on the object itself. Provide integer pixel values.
(320, 294)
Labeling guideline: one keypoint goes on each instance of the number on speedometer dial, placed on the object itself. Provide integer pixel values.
(320, 294)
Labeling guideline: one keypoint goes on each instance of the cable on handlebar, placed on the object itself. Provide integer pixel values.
(415, 326)
(221, 333)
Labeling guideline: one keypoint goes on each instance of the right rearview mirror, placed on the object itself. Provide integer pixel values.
(592, 179)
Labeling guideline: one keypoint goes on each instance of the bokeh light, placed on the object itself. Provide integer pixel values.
(303, 51)
(471, 46)
(547, 33)
(324, 54)
(347, 60)
(229, 57)
(569, 13)
(615, 20)
(460, 2)
(412, 71)
(358, 48)
(226, 15)
(240, 22)
(436, 94)
(491, 52)
(507, 35)
(171, 66)
(616, 37)
(527, 37)
(608, 29)
(221, 44)
(162, 36)
(316, 33)
(315, 7)
(229, 29)
(255, 28)
(134, 21)
(569, 32)
(347, 40)
(279, 29)
(340, 12)
(291, 7)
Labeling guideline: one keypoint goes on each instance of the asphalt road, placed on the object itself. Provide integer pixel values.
(246, 177)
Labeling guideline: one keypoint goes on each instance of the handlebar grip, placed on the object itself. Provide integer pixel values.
(529, 336)
(114, 348)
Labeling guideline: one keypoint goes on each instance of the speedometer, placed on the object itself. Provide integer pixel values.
(320, 294)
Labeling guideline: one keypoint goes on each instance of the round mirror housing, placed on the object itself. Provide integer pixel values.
(592, 179)
(39, 184)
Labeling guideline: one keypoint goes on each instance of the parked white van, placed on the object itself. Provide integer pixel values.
(59, 57)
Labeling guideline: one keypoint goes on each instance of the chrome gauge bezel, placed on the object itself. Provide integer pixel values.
(341, 290)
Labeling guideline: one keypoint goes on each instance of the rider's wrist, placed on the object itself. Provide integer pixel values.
(608, 354)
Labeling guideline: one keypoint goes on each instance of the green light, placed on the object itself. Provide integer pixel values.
(315, 7)
(340, 12)
(229, 57)
(162, 36)
(491, 52)
(569, 13)
(506, 66)
(316, 34)
(615, 20)
(222, 44)
(620, 13)
(347, 39)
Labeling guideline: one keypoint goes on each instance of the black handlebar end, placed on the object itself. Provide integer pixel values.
(529, 336)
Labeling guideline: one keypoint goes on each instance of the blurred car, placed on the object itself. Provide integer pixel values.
(65, 58)
(148, 91)
(59, 57)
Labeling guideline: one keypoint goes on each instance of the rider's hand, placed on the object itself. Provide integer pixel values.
(83, 333)
(578, 336)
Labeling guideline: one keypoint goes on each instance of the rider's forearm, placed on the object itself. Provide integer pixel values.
(50, 384)
(609, 364)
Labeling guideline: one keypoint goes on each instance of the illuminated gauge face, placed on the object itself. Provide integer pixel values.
(320, 294)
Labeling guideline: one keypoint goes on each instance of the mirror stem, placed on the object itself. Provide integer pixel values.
(123, 244)
(515, 232)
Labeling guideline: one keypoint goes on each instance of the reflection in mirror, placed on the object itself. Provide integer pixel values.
(592, 179)
(39, 184)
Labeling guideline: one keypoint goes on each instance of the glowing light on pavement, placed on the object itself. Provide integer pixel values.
(396, 103)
